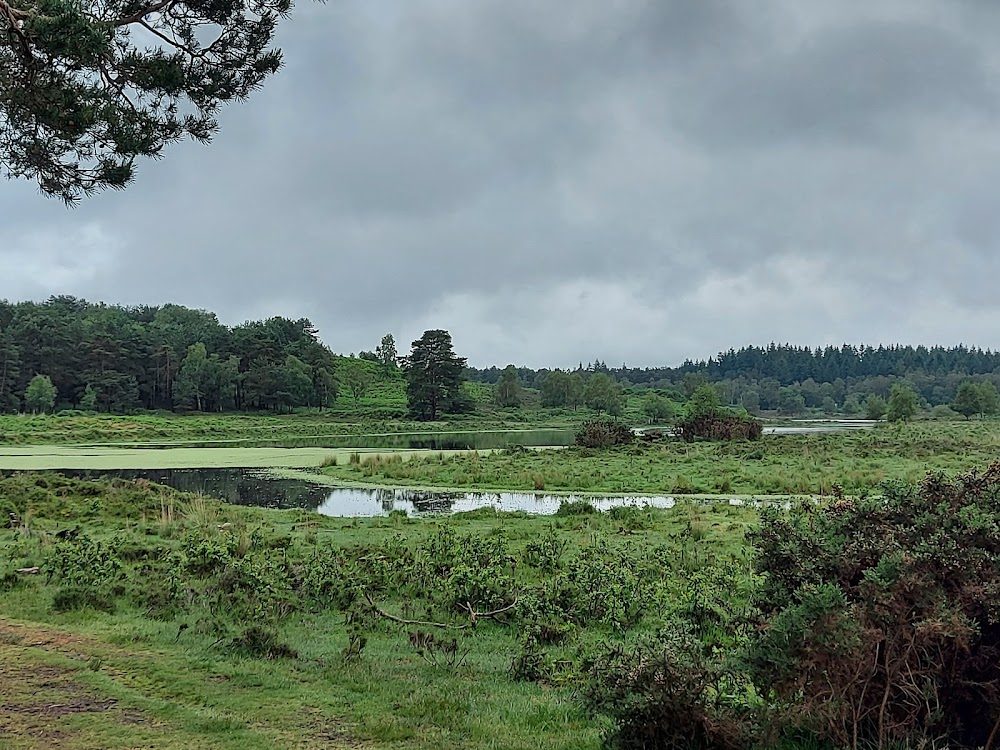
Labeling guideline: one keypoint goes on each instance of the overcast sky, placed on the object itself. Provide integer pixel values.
(564, 180)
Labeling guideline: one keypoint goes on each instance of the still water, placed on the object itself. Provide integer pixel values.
(258, 488)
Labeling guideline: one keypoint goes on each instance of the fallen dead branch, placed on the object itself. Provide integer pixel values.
(474, 617)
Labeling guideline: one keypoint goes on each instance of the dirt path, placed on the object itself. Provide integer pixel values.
(42, 703)
(62, 690)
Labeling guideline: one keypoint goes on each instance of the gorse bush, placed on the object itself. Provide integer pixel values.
(262, 643)
(880, 617)
(604, 433)
(665, 693)
(723, 424)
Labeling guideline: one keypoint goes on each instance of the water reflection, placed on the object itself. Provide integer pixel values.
(254, 487)
(261, 489)
(350, 502)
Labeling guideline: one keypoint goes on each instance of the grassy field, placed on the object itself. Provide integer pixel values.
(775, 465)
(54, 457)
(23, 429)
(172, 621)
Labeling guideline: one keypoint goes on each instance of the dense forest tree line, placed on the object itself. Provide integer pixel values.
(794, 380)
(75, 354)
(113, 358)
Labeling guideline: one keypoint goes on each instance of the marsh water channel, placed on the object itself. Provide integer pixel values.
(252, 475)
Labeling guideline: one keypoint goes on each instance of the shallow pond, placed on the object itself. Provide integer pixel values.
(259, 488)
(239, 474)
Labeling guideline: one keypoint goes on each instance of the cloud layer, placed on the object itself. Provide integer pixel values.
(631, 180)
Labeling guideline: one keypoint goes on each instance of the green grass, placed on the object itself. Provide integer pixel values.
(53, 457)
(382, 409)
(253, 429)
(775, 465)
(161, 671)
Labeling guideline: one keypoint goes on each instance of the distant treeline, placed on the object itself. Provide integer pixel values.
(112, 358)
(793, 379)
(117, 359)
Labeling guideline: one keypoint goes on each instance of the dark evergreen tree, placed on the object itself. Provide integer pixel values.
(434, 376)
(88, 87)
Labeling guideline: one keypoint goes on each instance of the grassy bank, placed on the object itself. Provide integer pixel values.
(22, 429)
(157, 619)
(775, 465)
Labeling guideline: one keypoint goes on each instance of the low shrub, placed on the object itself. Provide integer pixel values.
(69, 598)
(664, 694)
(576, 508)
(603, 434)
(719, 425)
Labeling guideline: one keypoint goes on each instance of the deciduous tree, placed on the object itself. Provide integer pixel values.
(387, 355)
(40, 395)
(88, 401)
(356, 378)
(903, 403)
(192, 380)
(990, 398)
(603, 394)
(968, 399)
(555, 388)
(875, 407)
(508, 389)
(658, 410)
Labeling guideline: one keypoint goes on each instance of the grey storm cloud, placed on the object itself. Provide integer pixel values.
(632, 180)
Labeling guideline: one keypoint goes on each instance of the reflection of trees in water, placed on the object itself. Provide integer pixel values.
(430, 502)
(423, 502)
(256, 488)
(236, 486)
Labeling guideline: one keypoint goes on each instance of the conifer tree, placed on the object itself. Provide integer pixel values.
(88, 87)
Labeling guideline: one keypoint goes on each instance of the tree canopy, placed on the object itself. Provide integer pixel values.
(40, 395)
(87, 88)
(507, 392)
(386, 354)
(434, 375)
(117, 359)
(602, 393)
(357, 378)
(903, 404)
(976, 398)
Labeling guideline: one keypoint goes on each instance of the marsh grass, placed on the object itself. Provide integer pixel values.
(378, 414)
(200, 511)
(776, 465)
